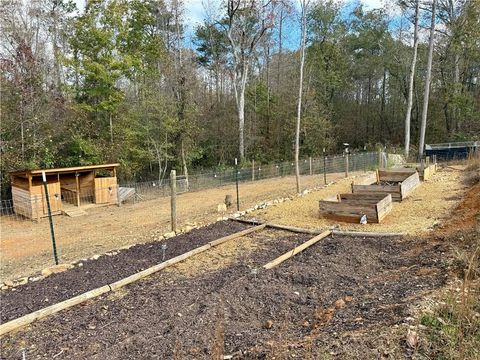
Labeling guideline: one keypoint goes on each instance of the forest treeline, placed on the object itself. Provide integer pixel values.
(131, 81)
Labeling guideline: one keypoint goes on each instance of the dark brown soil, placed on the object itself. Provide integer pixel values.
(105, 270)
(300, 309)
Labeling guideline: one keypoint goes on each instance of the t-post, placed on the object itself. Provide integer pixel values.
(173, 200)
(236, 183)
(50, 219)
(324, 167)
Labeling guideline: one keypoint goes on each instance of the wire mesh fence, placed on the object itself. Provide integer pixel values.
(97, 220)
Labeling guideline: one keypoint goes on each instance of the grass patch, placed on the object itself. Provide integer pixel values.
(452, 330)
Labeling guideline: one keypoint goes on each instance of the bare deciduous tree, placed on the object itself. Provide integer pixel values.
(303, 21)
(411, 81)
(247, 22)
(427, 81)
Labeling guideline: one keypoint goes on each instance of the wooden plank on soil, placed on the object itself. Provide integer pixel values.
(296, 250)
(292, 229)
(39, 314)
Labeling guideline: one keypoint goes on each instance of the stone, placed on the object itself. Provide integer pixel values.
(188, 228)
(55, 269)
(169, 235)
(340, 303)
(221, 208)
(8, 283)
(412, 339)
(268, 324)
(21, 281)
(95, 257)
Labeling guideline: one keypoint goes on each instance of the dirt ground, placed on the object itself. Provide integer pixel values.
(311, 306)
(91, 274)
(425, 209)
(345, 298)
(26, 248)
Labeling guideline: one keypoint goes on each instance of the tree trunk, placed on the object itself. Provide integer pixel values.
(427, 82)
(408, 115)
(280, 44)
(240, 97)
(111, 128)
(300, 92)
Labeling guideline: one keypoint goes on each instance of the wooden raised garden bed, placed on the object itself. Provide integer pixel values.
(427, 169)
(352, 207)
(399, 183)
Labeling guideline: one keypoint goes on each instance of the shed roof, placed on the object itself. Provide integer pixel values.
(66, 169)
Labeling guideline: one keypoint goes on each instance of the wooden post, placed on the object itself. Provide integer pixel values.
(380, 159)
(37, 208)
(310, 161)
(377, 176)
(173, 199)
(77, 182)
(346, 164)
(427, 160)
(253, 170)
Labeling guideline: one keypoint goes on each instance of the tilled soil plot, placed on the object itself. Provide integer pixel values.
(299, 309)
(105, 270)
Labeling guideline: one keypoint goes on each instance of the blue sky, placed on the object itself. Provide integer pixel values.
(195, 13)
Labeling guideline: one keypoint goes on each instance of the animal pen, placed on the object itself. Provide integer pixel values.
(71, 187)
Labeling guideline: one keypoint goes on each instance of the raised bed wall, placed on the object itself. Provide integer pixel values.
(351, 207)
(401, 184)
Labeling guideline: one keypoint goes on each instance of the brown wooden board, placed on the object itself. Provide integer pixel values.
(383, 207)
(398, 191)
(409, 184)
(395, 175)
(366, 180)
(352, 208)
(106, 190)
(427, 172)
(393, 190)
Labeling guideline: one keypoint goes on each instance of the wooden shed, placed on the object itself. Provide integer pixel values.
(70, 187)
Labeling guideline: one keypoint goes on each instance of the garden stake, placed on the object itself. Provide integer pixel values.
(164, 247)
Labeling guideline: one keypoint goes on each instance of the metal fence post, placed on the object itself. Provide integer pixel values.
(310, 162)
(253, 170)
(173, 199)
(50, 219)
(324, 167)
(346, 163)
(236, 183)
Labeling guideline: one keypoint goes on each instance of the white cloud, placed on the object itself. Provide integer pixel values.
(194, 12)
(372, 4)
